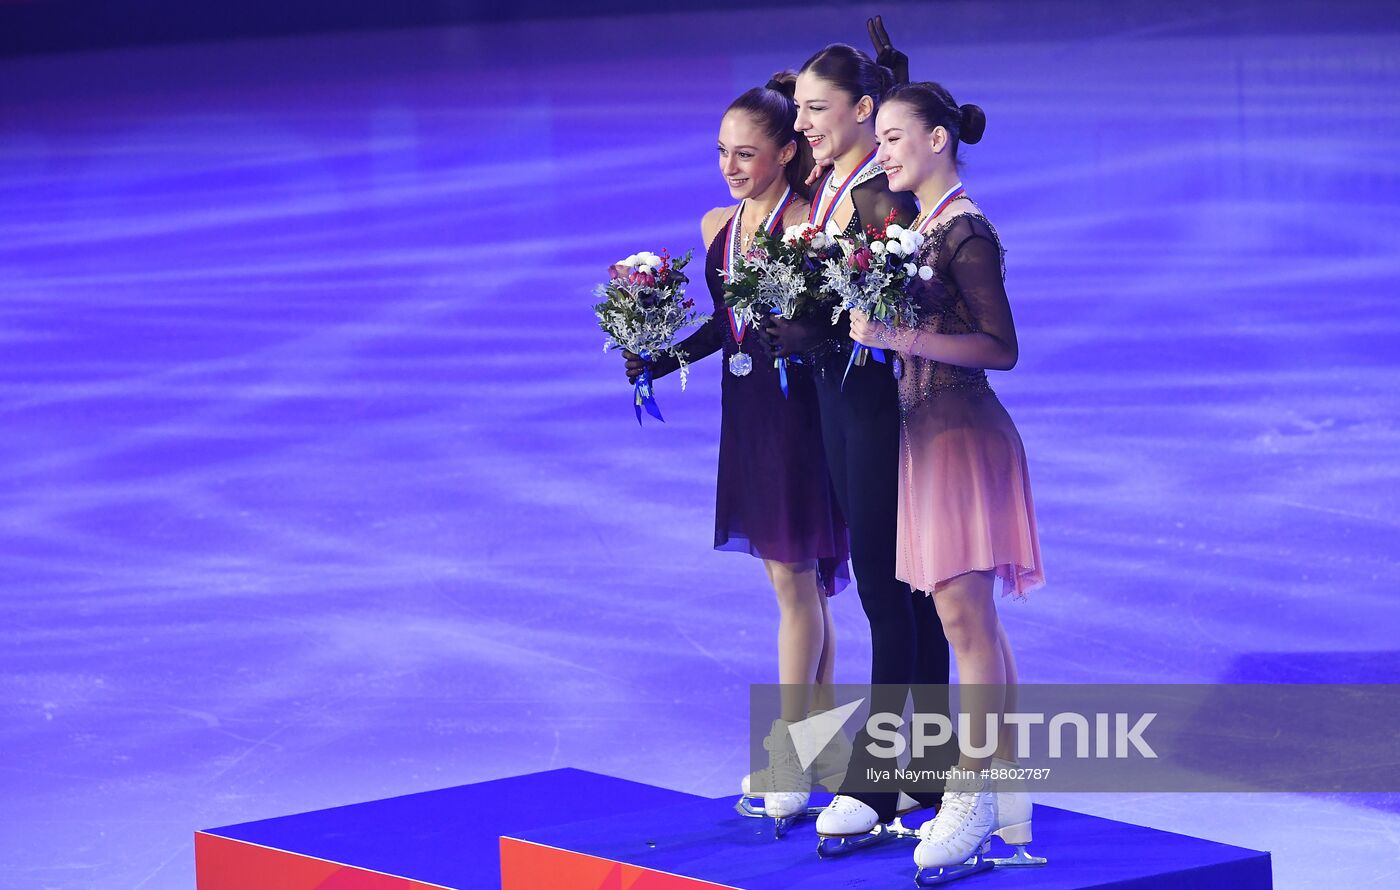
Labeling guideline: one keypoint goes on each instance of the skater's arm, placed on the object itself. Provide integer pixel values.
(704, 340)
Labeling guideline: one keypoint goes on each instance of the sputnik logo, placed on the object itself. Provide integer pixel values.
(810, 736)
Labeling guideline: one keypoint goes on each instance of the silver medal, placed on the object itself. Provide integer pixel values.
(740, 364)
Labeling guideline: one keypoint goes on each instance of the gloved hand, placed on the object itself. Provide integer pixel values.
(785, 338)
(885, 53)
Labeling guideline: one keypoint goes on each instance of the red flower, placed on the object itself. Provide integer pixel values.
(861, 259)
(879, 233)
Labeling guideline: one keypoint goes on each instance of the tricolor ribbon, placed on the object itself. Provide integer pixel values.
(824, 208)
(642, 395)
(954, 193)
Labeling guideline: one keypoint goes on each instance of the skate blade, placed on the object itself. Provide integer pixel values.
(746, 807)
(1020, 859)
(937, 876)
(830, 846)
(782, 824)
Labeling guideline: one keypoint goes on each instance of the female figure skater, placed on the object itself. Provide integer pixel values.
(966, 516)
(837, 94)
(773, 494)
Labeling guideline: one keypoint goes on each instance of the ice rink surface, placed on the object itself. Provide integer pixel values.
(318, 487)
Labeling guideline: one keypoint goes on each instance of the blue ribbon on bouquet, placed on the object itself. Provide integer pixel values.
(877, 354)
(782, 363)
(643, 397)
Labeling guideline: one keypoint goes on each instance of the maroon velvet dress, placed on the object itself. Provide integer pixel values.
(773, 495)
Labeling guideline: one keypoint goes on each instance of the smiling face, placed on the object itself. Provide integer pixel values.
(748, 159)
(829, 117)
(909, 152)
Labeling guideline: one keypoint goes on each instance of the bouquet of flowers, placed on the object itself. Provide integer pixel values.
(643, 307)
(780, 275)
(874, 275)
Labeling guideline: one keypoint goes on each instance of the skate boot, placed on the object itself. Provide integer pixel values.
(952, 845)
(1013, 823)
(786, 785)
(848, 825)
(828, 770)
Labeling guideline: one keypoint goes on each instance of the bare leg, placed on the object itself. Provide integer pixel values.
(1007, 749)
(968, 613)
(801, 632)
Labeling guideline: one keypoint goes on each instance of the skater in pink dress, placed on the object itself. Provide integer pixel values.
(966, 518)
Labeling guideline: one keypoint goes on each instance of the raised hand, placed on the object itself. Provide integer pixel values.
(885, 53)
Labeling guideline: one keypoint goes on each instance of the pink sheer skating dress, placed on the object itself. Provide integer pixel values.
(964, 489)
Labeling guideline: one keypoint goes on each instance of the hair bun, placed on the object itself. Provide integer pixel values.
(972, 123)
(784, 82)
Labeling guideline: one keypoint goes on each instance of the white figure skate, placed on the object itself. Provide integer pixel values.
(1013, 823)
(954, 843)
(848, 825)
(787, 786)
(828, 771)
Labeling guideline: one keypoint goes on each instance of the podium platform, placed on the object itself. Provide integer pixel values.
(524, 833)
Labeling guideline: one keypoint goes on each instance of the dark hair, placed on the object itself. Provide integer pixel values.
(851, 71)
(934, 106)
(772, 106)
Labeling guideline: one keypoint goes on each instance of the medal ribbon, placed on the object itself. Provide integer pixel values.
(731, 250)
(824, 209)
(954, 193)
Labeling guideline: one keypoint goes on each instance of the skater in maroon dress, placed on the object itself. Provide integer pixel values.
(773, 497)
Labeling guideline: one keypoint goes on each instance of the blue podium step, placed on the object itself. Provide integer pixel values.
(706, 841)
(524, 833)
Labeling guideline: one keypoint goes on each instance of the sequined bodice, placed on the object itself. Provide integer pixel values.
(945, 309)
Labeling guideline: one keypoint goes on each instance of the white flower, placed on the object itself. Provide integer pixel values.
(792, 234)
(820, 241)
(649, 259)
(911, 270)
(911, 243)
(877, 247)
(833, 229)
(925, 272)
(629, 262)
(896, 231)
(894, 247)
